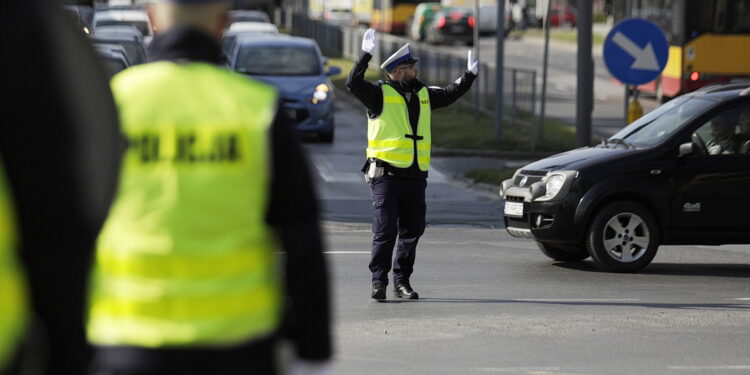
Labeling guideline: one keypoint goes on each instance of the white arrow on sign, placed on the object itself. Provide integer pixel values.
(645, 58)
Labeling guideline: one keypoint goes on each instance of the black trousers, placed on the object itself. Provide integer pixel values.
(256, 358)
(398, 212)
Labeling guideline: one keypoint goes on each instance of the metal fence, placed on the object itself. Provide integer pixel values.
(436, 67)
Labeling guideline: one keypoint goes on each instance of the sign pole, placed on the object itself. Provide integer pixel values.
(628, 14)
(499, 55)
(584, 89)
(547, 13)
(477, 93)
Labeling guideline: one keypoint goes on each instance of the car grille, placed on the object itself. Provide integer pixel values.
(511, 198)
(530, 177)
(297, 114)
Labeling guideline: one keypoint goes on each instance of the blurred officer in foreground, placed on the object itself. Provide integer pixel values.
(398, 157)
(59, 157)
(186, 279)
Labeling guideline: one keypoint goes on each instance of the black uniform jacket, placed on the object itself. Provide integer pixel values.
(371, 95)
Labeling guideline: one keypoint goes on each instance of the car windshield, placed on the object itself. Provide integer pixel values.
(278, 61)
(142, 26)
(653, 128)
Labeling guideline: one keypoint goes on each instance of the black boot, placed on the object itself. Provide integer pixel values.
(378, 292)
(404, 290)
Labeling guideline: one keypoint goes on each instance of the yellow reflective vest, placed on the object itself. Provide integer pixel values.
(185, 257)
(13, 297)
(390, 136)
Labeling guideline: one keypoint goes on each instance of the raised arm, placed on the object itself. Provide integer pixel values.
(367, 92)
(443, 96)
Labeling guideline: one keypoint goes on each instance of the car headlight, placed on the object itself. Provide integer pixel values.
(556, 184)
(321, 93)
(553, 185)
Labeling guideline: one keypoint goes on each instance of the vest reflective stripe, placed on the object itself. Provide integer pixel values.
(386, 135)
(13, 298)
(185, 257)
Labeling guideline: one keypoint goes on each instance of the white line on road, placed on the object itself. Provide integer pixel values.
(710, 368)
(346, 252)
(742, 299)
(329, 173)
(575, 300)
(534, 370)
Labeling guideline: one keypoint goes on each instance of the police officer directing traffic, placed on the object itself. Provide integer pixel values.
(187, 277)
(398, 157)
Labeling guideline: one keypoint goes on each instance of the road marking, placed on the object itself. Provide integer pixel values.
(742, 299)
(531, 370)
(435, 176)
(346, 252)
(329, 173)
(575, 300)
(711, 368)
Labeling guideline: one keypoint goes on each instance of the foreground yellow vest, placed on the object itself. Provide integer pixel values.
(13, 299)
(185, 257)
(390, 137)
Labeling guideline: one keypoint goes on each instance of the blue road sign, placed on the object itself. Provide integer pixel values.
(636, 51)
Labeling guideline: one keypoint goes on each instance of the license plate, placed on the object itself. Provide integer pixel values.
(457, 29)
(514, 209)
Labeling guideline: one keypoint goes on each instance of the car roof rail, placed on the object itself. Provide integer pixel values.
(719, 87)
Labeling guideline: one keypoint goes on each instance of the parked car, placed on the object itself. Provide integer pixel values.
(256, 27)
(240, 15)
(134, 48)
(423, 16)
(114, 57)
(677, 176)
(338, 16)
(128, 16)
(562, 16)
(297, 68)
(242, 29)
(451, 25)
(82, 15)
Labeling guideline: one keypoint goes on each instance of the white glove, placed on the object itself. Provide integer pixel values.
(471, 65)
(368, 41)
(302, 367)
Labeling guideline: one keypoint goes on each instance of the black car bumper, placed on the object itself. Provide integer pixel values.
(552, 221)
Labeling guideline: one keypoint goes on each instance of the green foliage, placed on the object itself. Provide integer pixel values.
(493, 176)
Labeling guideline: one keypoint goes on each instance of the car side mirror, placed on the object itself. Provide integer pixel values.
(686, 149)
(333, 71)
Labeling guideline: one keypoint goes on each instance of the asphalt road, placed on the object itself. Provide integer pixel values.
(493, 304)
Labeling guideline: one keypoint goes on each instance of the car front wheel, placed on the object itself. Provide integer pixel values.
(623, 237)
(563, 252)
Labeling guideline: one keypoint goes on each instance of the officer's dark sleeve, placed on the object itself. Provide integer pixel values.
(293, 212)
(370, 94)
(444, 96)
(60, 145)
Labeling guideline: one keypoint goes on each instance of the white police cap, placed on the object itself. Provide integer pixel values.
(402, 56)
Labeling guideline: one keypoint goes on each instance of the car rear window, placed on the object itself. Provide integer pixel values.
(142, 26)
(278, 60)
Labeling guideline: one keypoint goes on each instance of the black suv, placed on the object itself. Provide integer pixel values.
(679, 175)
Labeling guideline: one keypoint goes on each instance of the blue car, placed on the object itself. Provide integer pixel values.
(297, 68)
